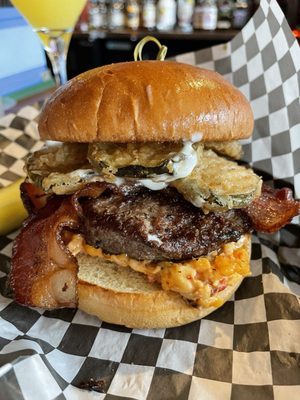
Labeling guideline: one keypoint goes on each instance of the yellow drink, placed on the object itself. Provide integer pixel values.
(58, 17)
(53, 21)
(51, 14)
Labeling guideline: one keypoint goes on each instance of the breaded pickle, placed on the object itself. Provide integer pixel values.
(218, 184)
(136, 160)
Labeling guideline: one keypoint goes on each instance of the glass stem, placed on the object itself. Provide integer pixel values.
(57, 56)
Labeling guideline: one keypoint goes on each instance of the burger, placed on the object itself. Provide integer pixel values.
(139, 211)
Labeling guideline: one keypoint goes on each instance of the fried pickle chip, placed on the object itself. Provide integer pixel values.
(232, 149)
(60, 158)
(218, 184)
(137, 160)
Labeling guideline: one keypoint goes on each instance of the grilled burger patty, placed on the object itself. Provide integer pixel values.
(157, 225)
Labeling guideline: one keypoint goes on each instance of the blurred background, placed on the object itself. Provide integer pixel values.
(107, 32)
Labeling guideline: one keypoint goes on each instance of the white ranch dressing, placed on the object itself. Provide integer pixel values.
(181, 169)
(152, 185)
(153, 238)
(119, 181)
(83, 173)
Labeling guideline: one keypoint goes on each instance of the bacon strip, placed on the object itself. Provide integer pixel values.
(33, 197)
(273, 209)
(44, 272)
(91, 190)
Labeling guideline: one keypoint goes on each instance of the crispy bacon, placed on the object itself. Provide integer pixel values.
(91, 190)
(33, 197)
(44, 273)
(273, 209)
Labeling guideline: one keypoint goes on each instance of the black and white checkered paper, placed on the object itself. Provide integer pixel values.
(248, 349)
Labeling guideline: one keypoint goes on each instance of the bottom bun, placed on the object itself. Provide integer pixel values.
(119, 295)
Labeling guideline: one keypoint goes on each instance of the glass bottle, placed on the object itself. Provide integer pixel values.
(149, 14)
(132, 14)
(116, 14)
(225, 14)
(185, 13)
(94, 15)
(166, 14)
(103, 10)
(205, 15)
(241, 14)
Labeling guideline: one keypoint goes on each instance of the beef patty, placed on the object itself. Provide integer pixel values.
(157, 225)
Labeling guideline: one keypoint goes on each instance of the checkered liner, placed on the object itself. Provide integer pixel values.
(18, 137)
(248, 349)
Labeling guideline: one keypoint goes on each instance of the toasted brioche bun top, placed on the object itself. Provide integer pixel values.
(146, 101)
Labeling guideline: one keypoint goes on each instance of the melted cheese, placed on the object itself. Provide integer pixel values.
(199, 280)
